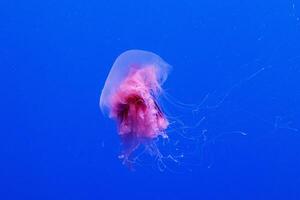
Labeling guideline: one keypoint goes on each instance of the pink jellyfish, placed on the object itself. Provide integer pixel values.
(130, 96)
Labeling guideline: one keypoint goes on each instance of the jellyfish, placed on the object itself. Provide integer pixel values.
(130, 96)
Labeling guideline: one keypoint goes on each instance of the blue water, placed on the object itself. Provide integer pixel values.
(242, 55)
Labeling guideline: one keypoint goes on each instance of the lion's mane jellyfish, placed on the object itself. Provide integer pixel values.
(130, 96)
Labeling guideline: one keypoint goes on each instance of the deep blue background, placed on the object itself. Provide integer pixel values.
(55, 56)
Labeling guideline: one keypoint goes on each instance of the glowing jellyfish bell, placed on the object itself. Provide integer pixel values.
(130, 97)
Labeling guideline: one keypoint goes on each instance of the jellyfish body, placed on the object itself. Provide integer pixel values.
(130, 96)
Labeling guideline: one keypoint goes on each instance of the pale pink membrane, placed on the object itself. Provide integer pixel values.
(130, 97)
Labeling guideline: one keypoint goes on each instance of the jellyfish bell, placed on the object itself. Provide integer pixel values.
(126, 63)
(130, 96)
